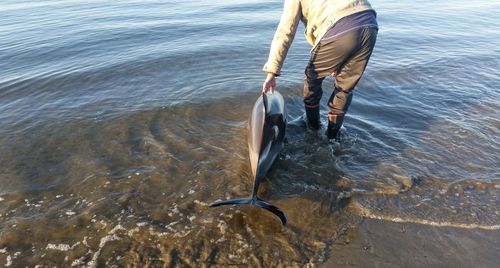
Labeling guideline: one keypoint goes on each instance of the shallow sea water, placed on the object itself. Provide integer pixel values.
(120, 122)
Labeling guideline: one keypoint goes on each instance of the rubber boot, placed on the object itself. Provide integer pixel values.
(334, 125)
(312, 115)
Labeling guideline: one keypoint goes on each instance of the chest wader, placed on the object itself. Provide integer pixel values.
(346, 57)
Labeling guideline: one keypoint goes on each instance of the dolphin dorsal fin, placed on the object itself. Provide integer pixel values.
(265, 102)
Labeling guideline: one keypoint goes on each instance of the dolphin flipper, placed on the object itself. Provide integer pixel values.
(252, 201)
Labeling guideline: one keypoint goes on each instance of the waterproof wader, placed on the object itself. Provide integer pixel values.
(346, 58)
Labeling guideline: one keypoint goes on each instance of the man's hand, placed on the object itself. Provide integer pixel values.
(269, 83)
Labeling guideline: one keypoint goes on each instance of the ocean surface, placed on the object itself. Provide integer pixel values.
(121, 120)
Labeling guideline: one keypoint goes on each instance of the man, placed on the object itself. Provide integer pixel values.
(343, 34)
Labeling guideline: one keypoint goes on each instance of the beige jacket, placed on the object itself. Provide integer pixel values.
(317, 15)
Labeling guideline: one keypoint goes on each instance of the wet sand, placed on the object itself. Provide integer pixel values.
(376, 243)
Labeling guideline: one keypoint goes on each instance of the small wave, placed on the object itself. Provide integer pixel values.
(433, 223)
(465, 204)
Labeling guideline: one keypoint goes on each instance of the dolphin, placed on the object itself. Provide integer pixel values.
(266, 135)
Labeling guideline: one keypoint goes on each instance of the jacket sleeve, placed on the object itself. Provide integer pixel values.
(292, 13)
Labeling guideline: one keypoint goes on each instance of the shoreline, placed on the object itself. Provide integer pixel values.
(374, 243)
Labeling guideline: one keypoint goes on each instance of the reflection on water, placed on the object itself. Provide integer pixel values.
(115, 135)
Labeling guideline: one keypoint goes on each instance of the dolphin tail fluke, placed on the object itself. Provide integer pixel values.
(235, 201)
(271, 208)
(253, 201)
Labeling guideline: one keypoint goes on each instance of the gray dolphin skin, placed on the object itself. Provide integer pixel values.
(266, 134)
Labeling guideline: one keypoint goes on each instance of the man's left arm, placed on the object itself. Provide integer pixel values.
(284, 36)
